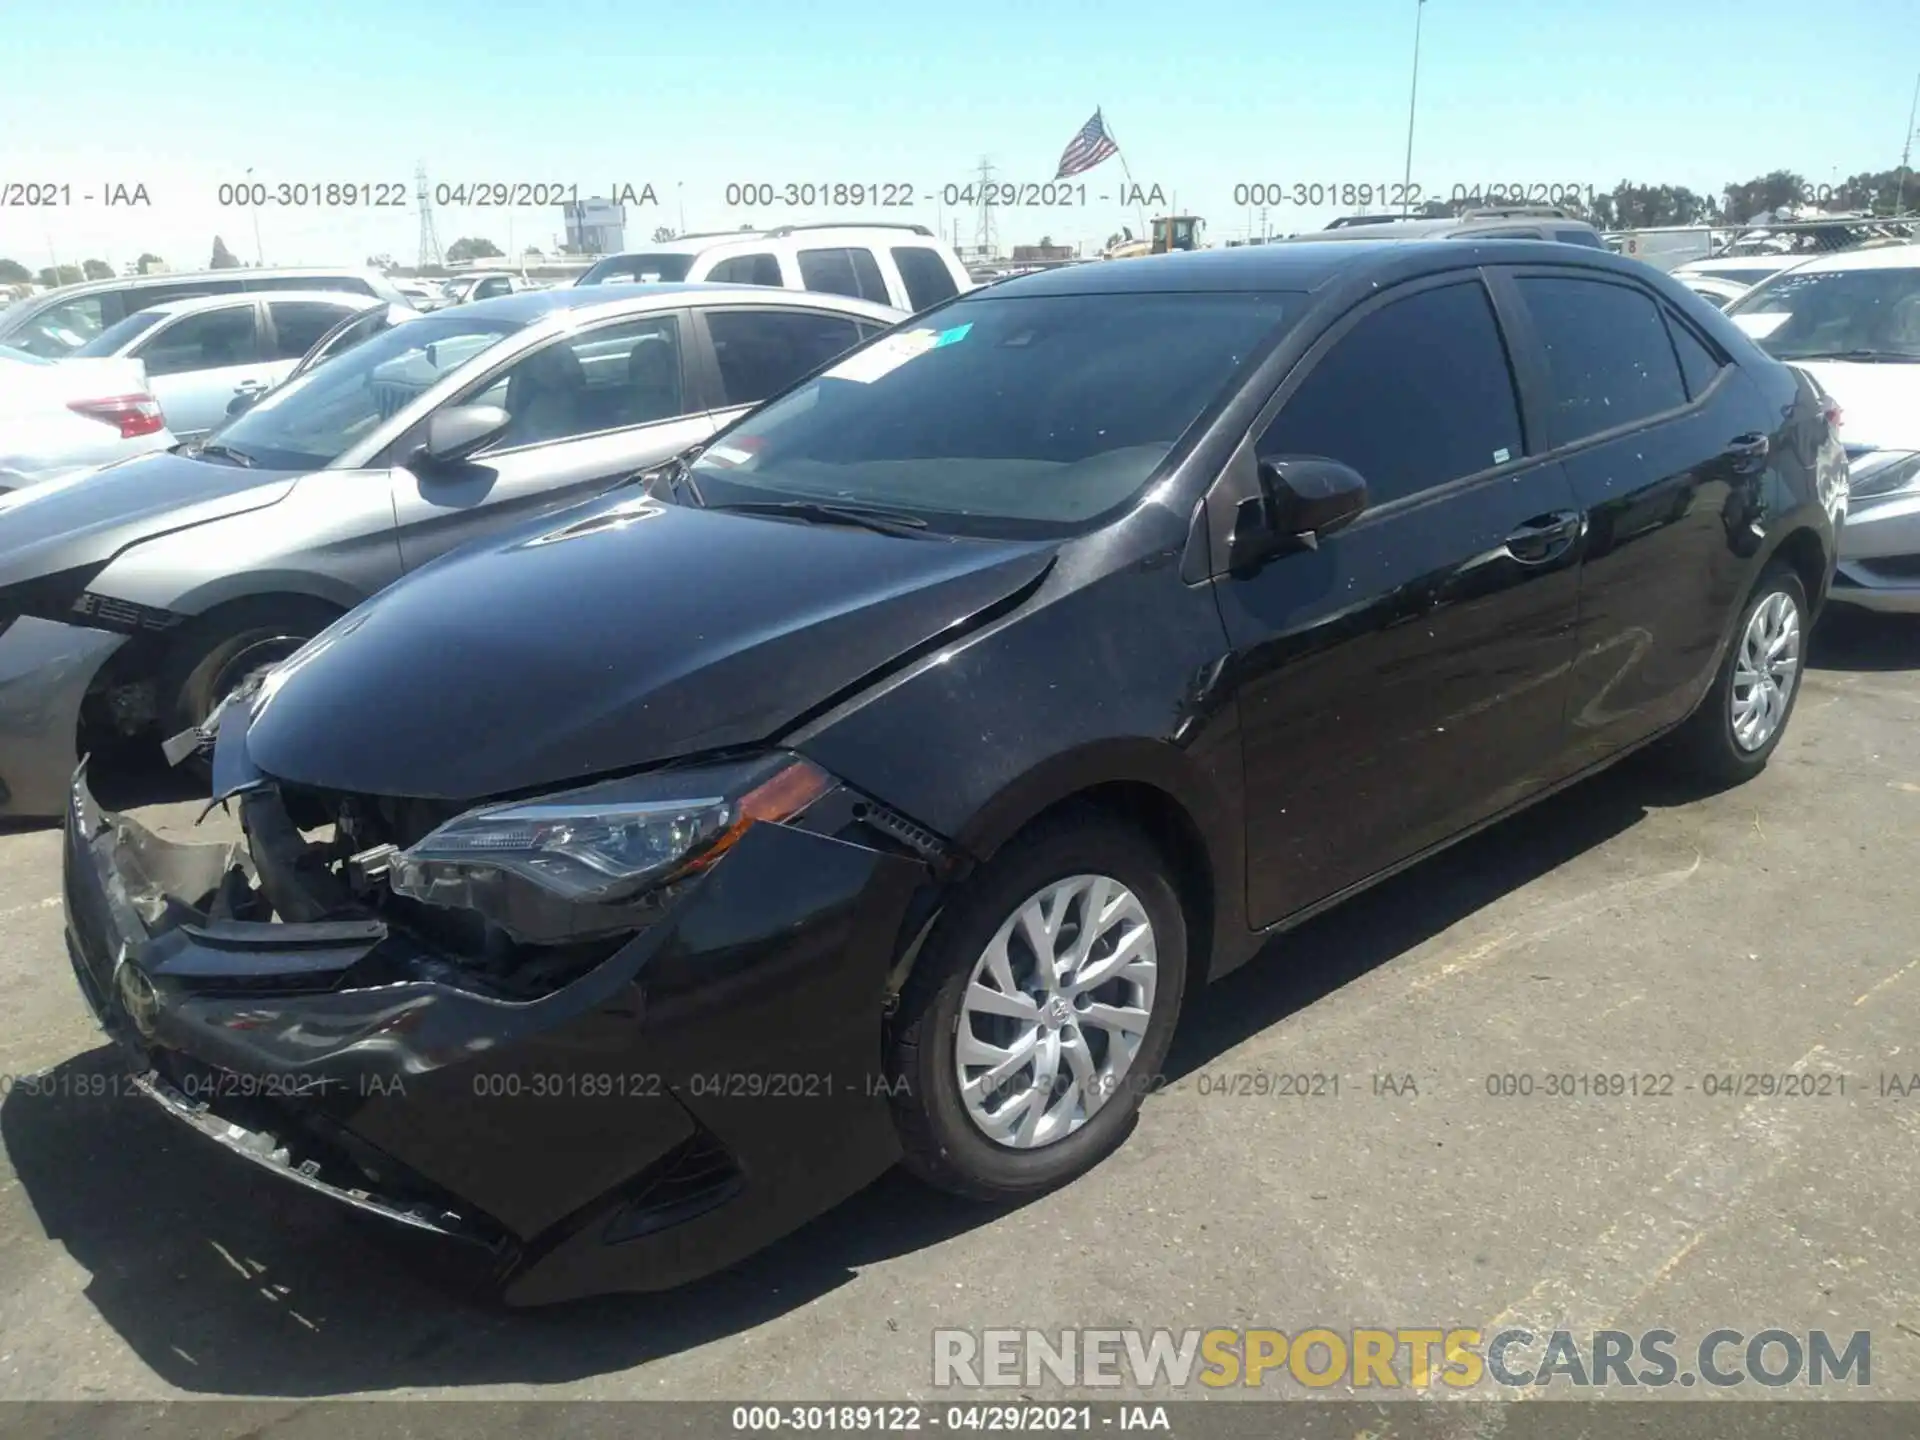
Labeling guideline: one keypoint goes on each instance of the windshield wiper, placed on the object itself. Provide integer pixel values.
(1866, 357)
(887, 522)
(226, 452)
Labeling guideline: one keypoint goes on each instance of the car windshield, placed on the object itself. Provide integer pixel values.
(21, 357)
(115, 338)
(310, 422)
(621, 269)
(1834, 314)
(1004, 415)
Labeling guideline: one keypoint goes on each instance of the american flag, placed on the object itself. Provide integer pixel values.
(1087, 149)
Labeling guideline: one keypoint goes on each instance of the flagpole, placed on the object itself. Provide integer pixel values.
(1121, 156)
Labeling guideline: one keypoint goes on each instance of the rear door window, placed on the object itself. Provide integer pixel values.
(299, 325)
(207, 341)
(61, 329)
(925, 275)
(1436, 364)
(1607, 352)
(762, 352)
(851, 271)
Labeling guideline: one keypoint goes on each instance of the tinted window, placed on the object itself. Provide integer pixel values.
(114, 338)
(1511, 232)
(925, 274)
(1697, 363)
(487, 289)
(761, 352)
(747, 270)
(851, 271)
(1607, 352)
(1589, 238)
(1831, 314)
(603, 379)
(1012, 416)
(61, 329)
(625, 269)
(207, 341)
(298, 325)
(1416, 394)
(150, 295)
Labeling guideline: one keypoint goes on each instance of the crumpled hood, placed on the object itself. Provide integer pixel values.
(616, 635)
(92, 515)
(1879, 404)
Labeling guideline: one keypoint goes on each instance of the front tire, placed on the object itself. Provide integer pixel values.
(1037, 1017)
(1739, 724)
(211, 656)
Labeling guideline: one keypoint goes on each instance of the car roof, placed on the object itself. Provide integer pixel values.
(1877, 257)
(700, 244)
(530, 305)
(1298, 265)
(344, 298)
(1438, 228)
(189, 277)
(1739, 263)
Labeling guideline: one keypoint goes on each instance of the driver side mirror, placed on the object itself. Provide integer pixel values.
(1301, 499)
(457, 431)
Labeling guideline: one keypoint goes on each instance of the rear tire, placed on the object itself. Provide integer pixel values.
(1739, 724)
(1076, 1075)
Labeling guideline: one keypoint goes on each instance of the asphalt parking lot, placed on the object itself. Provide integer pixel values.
(1627, 926)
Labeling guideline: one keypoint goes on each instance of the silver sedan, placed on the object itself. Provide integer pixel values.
(133, 599)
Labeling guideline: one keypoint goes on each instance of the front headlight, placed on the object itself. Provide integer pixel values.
(1884, 473)
(588, 861)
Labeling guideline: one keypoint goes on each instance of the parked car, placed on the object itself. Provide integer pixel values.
(1715, 291)
(904, 266)
(922, 746)
(61, 321)
(352, 329)
(463, 289)
(1852, 321)
(1741, 269)
(204, 355)
(60, 417)
(1510, 222)
(140, 595)
(417, 293)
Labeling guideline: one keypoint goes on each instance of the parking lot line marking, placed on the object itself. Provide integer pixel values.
(1876, 988)
(1694, 1201)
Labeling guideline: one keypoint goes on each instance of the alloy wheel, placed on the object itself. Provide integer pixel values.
(1765, 670)
(1055, 1011)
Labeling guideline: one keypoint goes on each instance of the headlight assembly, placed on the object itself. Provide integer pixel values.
(590, 861)
(1884, 474)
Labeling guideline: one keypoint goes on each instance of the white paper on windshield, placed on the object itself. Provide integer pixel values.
(1760, 325)
(727, 455)
(886, 356)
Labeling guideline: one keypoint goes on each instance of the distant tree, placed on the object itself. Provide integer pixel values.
(223, 258)
(65, 275)
(381, 262)
(12, 272)
(532, 252)
(97, 269)
(662, 234)
(1881, 192)
(470, 247)
(149, 262)
(1776, 190)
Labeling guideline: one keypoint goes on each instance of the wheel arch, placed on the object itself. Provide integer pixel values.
(1802, 550)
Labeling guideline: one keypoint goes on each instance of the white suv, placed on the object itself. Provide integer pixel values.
(904, 266)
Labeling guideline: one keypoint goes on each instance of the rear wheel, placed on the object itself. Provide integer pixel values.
(1740, 723)
(1037, 1017)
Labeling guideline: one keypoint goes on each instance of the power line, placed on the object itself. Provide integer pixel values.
(983, 233)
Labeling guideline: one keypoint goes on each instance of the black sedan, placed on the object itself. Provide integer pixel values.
(878, 782)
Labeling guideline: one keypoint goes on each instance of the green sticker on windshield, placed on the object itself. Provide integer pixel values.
(953, 336)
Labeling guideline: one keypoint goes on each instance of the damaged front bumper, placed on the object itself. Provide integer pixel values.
(712, 1085)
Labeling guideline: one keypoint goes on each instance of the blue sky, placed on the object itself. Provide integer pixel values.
(1201, 94)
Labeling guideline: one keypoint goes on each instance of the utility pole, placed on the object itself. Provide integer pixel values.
(1413, 95)
(1906, 153)
(430, 252)
(259, 254)
(983, 235)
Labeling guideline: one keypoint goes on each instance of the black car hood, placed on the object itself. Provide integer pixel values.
(620, 634)
(89, 517)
